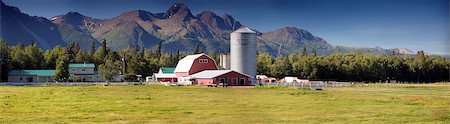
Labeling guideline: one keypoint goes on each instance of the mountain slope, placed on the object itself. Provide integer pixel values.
(177, 28)
(292, 39)
(218, 26)
(123, 34)
(77, 28)
(19, 27)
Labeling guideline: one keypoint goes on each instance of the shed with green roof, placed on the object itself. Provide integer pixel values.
(166, 70)
(31, 75)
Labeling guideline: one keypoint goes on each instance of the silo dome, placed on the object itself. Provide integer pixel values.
(243, 52)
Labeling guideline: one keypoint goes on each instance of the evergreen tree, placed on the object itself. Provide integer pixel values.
(109, 69)
(62, 68)
(76, 48)
(105, 49)
(34, 57)
(158, 49)
(263, 63)
(71, 52)
(215, 56)
(171, 60)
(136, 46)
(142, 52)
(304, 52)
(198, 49)
(280, 67)
(100, 54)
(91, 51)
(18, 57)
(4, 60)
(178, 56)
(51, 56)
(81, 57)
(419, 65)
(313, 52)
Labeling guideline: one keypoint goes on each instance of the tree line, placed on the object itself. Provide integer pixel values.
(132, 61)
(358, 66)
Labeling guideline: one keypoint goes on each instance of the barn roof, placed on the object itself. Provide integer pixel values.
(32, 72)
(185, 64)
(213, 73)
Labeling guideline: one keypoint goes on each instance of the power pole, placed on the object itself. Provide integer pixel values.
(279, 50)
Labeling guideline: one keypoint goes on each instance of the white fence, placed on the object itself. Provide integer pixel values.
(312, 84)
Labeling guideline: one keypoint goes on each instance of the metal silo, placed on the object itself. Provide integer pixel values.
(225, 61)
(243, 52)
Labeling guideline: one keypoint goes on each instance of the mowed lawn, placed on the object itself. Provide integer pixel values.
(199, 104)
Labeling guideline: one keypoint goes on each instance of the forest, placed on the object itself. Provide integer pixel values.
(358, 66)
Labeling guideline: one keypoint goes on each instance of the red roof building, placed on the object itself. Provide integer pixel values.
(192, 64)
(229, 77)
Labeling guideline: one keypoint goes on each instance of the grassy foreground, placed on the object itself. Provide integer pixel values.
(161, 104)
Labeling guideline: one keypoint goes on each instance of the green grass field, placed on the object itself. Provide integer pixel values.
(197, 104)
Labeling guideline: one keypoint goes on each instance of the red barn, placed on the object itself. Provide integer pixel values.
(229, 77)
(192, 64)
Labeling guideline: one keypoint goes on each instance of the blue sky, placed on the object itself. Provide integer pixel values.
(412, 24)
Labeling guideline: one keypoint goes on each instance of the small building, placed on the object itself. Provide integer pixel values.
(229, 77)
(166, 70)
(31, 76)
(264, 79)
(293, 80)
(82, 72)
(166, 77)
(165, 74)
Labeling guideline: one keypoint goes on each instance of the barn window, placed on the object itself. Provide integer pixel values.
(203, 60)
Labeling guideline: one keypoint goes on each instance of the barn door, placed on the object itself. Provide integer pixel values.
(241, 81)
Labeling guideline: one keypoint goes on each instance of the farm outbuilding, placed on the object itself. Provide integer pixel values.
(165, 74)
(293, 80)
(265, 79)
(229, 77)
(31, 76)
(166, 77)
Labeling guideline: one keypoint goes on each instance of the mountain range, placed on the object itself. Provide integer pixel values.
(177, 28)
